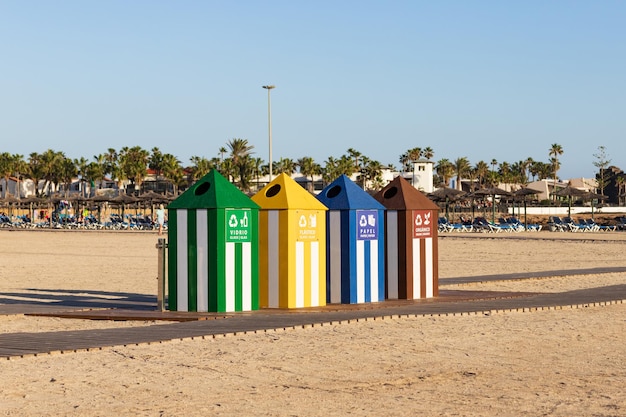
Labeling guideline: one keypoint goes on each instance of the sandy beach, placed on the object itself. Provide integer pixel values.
(561, 362)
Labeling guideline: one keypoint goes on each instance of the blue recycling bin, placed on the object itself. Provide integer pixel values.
(355, 249)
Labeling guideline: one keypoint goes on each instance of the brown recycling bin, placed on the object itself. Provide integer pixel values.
(411, 267)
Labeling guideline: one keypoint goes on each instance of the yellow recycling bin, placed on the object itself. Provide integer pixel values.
(292, 246)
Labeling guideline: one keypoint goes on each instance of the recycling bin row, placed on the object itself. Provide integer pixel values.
(285, 248)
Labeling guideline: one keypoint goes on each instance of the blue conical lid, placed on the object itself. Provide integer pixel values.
(344, 194)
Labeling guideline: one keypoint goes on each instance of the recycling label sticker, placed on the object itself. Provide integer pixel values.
(307, 225)
(367, 227)
(422, 223)
(238, 225)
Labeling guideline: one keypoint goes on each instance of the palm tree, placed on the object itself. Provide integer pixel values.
(461, 166)
(6, 169)
(134, 164)
(172, 171)
(482, 170)
(93, 173)
(445, 170)
(330, 170)
(256, 164)
(428, 153)
(505, 172)
(66, 173)
(156, 163)
(285, 166)
(81, 168)
(200, 166)
(50, 164)
(19, 168)
(35, 170)
(358, 158)
(240, 151)
(222, 151)
(555, 151)
(518, 172)
(111, 158)
(372, 172)
(308, 168)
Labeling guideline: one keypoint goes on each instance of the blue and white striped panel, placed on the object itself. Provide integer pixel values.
(374, 293)
(334, 256)
(360, 271)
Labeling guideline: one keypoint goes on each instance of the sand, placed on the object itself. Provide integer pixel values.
(569, 362)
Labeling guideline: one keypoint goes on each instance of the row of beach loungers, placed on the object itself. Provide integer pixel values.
(480, 224)
(514, 225)
(567, 224)
(115, 222)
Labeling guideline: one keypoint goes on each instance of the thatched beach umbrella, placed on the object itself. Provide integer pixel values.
(32, 202)
(123, 200)
(594, 196)
(493, 192)
(153, 198)
(446, 194)
(524, 192)
(9, 201)
(570, 192)
(99, 199)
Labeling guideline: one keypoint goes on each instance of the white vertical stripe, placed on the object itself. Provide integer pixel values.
(272, 258)
(334, 261)
(299, 274)
(229, 289)
(374, 270)
(246, 276)
(392, 254)
(416, 268)
(430, 284)
(182, 268)
(315, 274)
(360, 271)
(202, 264)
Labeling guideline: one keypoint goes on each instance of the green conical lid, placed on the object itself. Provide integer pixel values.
(212, 191)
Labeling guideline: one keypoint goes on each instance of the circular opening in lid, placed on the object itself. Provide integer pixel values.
(202, 188)
(390, 193)
(273, 190)
(333, 191)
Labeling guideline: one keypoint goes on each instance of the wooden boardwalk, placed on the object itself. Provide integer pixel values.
(203, 325)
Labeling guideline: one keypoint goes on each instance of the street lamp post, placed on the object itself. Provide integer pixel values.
(269, 122)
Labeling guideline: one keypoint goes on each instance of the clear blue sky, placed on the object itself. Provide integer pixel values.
(479, 79)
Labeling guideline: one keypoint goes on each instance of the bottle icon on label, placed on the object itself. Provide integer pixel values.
(244, 221)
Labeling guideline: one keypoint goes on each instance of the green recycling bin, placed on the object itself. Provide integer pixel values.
(213, 260)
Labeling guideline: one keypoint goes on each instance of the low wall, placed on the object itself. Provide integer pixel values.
(563, 211)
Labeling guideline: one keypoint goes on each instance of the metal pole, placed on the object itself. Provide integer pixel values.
(269, 124)
(161, 247)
